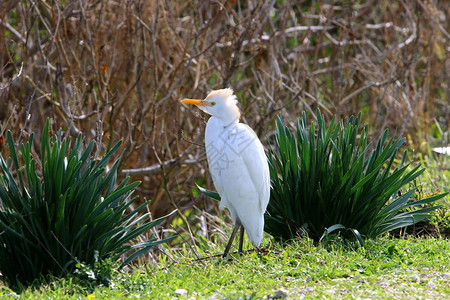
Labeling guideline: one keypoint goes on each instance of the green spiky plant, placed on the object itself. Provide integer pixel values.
(63, 209)
(328, 180)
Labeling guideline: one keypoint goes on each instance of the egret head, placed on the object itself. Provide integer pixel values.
(219, 103)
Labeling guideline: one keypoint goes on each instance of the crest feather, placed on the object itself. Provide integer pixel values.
(225, 93)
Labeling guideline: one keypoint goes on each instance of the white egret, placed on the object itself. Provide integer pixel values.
(238, 165)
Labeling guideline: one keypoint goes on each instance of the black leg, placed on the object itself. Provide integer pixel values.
(230, 241)
(241, 239)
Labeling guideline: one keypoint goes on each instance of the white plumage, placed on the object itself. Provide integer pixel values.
(237, 163)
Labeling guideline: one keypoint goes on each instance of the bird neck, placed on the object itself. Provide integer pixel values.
(229, 115)
(215, 127)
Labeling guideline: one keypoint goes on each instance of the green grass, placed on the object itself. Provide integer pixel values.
(385, 268)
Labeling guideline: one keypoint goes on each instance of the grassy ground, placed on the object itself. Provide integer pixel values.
(383, 269)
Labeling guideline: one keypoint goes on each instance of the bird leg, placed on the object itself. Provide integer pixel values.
(241, 240)
(230, 241)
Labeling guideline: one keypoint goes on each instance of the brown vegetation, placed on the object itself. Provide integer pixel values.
(117, 69)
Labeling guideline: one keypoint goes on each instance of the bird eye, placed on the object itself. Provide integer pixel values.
(213, 103)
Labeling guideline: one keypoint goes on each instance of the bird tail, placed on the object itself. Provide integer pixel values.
(254, 228)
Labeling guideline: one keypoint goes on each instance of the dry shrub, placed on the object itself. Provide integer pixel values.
(117, 70)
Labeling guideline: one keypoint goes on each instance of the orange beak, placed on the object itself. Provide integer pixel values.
(197, 102)
(194, 101)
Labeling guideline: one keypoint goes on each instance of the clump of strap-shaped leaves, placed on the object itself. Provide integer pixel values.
(65, 208)
(328, 178)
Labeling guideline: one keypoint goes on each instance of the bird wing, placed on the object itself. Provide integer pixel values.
(258, 167)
